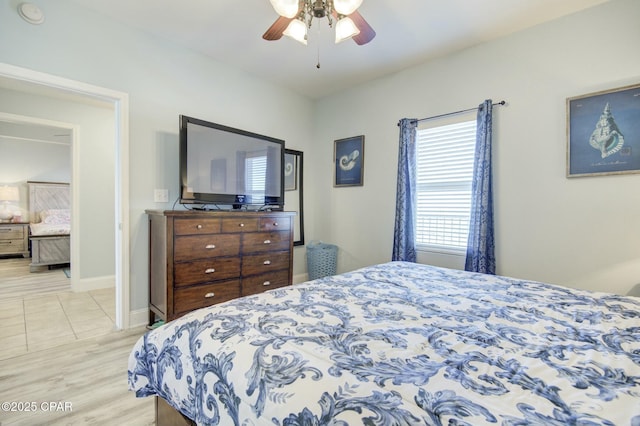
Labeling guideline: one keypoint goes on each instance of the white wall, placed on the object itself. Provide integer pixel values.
(548, 227)
(580, 232)
(96, 174)
(162, 81)
(24, 160)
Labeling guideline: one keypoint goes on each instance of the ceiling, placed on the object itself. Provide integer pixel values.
(409, 32)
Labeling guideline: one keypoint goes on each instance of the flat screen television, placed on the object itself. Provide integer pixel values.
(229, 168)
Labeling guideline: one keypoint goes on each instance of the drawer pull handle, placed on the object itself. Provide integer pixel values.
(209, 295)
(199, 226)
(266, 262)
(267, 241)
(266, 283)
(241, 225)
(209, 271)
(210, 246)
(275, 223)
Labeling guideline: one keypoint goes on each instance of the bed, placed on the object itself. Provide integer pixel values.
(399, 344)
(49, 224)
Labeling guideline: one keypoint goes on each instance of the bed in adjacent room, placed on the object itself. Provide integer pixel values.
(50, 224)
(399, 343)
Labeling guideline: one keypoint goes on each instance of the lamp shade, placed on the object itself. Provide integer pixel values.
(9, 193)
(345, 28)
(346, 7)
(297, 30)
(286, 8)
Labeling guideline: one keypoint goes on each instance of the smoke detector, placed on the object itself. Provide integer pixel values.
(31, 13)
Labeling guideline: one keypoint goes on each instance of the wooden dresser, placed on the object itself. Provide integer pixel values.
(198, 259)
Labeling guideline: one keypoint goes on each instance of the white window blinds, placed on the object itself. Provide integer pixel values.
(444, 157)
(256, 175)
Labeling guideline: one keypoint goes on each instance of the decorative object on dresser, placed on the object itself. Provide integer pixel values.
(202, 258)
(14, 239)
(50, 224)
(8, 194)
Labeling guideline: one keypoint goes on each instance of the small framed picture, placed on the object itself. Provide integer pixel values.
(348, 156)
(603, 132)
(290, 171)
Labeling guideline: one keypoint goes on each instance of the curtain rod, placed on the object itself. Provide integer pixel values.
(456, 112)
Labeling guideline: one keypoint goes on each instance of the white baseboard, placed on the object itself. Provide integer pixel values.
(88, 284)
(138, 318)
(300, 278)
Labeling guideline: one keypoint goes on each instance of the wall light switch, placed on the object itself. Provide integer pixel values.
(161, 195)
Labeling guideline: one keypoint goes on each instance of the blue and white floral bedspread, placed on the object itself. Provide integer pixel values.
(401, 344)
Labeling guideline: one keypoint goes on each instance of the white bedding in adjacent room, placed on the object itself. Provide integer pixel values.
(47, 229)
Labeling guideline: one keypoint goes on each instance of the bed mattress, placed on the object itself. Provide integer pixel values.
(46, 229)
(401, 343)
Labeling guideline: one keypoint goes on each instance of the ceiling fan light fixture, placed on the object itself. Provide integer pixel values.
(286, 8)
(346, 7)
(345, 29)
(297, 30)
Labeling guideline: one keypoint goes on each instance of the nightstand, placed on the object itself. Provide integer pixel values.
(14, 238)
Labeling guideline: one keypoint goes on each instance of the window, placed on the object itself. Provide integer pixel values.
(256, 175)
(444, 160)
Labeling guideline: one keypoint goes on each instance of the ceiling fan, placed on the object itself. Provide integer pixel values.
(296, 16)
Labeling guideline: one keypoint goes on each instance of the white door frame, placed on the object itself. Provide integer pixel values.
(120, 102)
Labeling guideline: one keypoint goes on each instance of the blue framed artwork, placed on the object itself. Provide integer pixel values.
(349, 161)
(603, 132)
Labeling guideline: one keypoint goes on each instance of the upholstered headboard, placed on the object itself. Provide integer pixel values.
(47, 195)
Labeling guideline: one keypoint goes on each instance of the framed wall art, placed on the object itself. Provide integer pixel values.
(349, 161)
(603, 132)
(290, 171)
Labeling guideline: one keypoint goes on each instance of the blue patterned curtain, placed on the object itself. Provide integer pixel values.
(480, 246)
(404, 246)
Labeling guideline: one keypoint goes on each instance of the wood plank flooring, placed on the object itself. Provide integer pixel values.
(89, 378)
(16, 281)
(59, 347)
(33, 316)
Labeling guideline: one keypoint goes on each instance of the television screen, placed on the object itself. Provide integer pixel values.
(226, 166)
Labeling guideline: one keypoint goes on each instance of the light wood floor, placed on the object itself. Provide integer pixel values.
(89, 378)
(60, 347)
(16, 280)
(39, 311)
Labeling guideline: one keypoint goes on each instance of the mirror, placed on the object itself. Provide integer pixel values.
(293, 192)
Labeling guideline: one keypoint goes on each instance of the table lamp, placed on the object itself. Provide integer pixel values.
(8, 194)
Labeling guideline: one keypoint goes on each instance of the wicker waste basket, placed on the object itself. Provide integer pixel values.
(321, 259)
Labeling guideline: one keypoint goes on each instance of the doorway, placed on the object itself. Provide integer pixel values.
(81, 92)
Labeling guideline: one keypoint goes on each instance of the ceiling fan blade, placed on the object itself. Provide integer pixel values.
(275, 30)
(366, 32)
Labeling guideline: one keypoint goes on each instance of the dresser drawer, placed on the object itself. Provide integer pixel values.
(265, 241)
(201, 271)
(195, 297)
(241, 224)
(12, 232)
(260, 283)
(274, 224)
(196, 226)
(205, 246)
(12, 246)
(266, 262)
